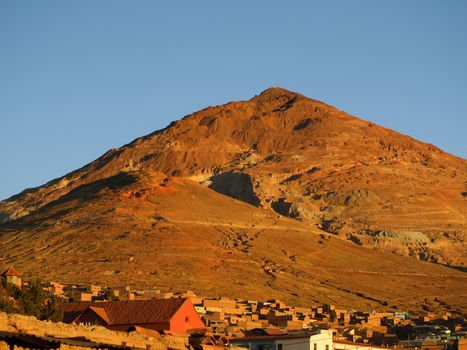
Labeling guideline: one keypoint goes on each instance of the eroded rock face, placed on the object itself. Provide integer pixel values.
(4, 217)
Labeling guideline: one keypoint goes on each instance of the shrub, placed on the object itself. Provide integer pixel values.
(30, 300)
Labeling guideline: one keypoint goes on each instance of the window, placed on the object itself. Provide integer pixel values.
(265, 347)
(315, 346)
(279, 346)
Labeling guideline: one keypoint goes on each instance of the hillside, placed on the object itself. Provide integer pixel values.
(326, 207)
(147, 229)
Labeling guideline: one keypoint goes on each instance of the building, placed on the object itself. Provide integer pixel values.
(278, 339)
(80, 295)
(12, 276)
(56, 289)
(174, 315)
(347, 345)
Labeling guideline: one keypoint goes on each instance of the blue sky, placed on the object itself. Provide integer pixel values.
(80, 77)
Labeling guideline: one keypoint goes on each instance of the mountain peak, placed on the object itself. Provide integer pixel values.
(274, 92)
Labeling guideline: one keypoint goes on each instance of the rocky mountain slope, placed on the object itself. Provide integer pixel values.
(318, 195)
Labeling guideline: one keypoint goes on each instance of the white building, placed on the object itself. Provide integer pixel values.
(318, 341)
(275, 339)
(340, 345)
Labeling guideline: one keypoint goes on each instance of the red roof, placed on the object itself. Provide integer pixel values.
(126, 312)
(11, 272)
(100, 312)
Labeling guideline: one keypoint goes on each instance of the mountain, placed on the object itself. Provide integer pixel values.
(278, 196)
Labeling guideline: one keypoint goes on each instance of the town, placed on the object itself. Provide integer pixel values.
(252, 324)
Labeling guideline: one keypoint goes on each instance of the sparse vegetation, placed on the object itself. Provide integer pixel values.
(30, 300)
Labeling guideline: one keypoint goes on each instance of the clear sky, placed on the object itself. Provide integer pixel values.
(80, 77)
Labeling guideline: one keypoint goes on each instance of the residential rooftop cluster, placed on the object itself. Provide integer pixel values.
(239, 320)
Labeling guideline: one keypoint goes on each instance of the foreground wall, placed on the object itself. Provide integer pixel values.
(29, 325)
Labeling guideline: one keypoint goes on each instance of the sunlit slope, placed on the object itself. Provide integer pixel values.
(147, 229)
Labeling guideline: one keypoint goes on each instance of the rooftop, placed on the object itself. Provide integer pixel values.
(11, 272)
(126, 312)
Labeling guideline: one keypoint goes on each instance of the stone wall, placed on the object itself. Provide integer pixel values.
(29, 325)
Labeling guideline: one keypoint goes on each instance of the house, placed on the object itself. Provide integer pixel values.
(80, 295)
(124, 293)
(174, 315)
(94, 289)
(12, 276)
(278, 339)
(56, 289)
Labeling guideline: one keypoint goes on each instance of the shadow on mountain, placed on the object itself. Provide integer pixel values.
(458, 267)
(81, 194)
(282, 207)
(235, 185)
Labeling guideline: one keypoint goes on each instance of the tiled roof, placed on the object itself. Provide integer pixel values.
(72, 310)
(101, 313)
(11, 272)
(127, 312)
